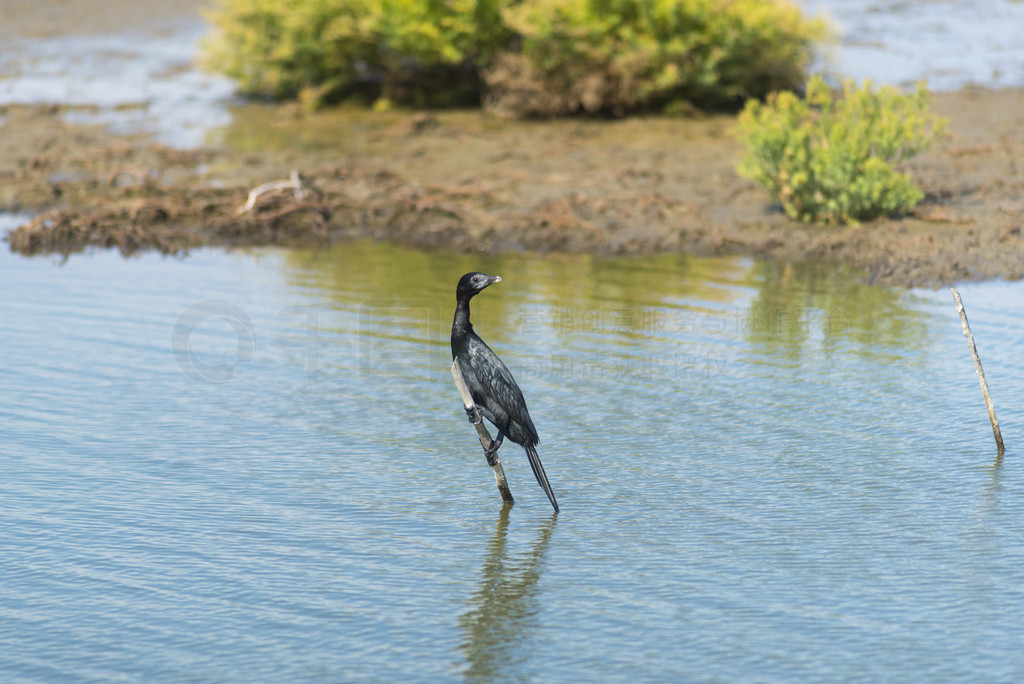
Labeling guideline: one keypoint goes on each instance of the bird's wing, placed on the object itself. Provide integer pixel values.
(494, 389)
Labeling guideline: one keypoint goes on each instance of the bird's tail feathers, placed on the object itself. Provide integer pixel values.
(542, 477)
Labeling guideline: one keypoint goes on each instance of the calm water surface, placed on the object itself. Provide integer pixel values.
(254, 467)
(950, 43)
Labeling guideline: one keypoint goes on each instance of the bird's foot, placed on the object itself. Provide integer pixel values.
(491, 454)
(473, 413)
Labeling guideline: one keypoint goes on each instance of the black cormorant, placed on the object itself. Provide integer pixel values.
(490, 383)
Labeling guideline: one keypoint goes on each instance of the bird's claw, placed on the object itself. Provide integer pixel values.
(491, 453)
(473, 413)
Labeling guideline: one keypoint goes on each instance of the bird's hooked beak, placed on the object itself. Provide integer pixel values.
(490, 281)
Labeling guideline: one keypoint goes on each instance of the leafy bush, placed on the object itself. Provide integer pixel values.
(620, 55)
(523, 57)
(420, 52)
(831, 160)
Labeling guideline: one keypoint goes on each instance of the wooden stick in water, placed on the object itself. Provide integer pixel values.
(482, 433)
(977, 366)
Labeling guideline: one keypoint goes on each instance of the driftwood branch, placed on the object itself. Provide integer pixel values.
(977, 366)
(482, 433)
(294, 183)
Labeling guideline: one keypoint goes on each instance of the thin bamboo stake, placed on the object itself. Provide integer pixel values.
(482, 433)
(977, 366)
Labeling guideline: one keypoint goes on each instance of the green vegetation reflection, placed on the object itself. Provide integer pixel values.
(804, 304)
(770, 305)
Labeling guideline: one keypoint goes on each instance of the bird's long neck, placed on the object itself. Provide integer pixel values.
(461, 324)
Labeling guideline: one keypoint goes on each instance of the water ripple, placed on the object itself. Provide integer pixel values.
(798, 494)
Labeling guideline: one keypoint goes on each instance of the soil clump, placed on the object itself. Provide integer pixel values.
(465, 181)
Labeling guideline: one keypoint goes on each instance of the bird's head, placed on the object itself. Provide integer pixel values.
(471, 283)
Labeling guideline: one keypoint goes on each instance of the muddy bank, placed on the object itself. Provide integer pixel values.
(48, 18)
(461, 181)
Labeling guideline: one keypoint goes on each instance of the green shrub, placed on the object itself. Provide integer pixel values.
(831, 160)
(524, 57)
(616, 56)
(277, 48)
(420, 52)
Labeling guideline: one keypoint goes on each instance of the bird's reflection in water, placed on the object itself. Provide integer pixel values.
(503, 611)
